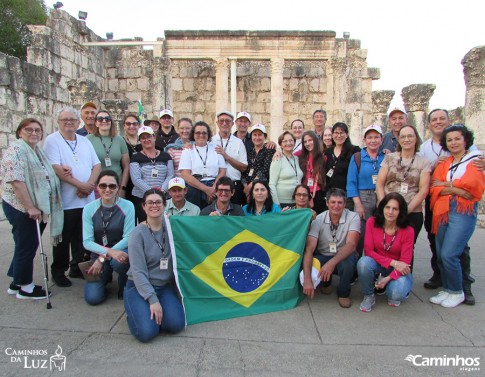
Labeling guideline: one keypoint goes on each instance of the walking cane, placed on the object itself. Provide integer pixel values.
(44, 265)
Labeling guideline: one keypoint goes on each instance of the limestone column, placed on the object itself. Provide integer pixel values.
(381, 99)
(337, 105)
(277, 118)
(161, 85)
(222, 87)
(416, 101)
(474, 70)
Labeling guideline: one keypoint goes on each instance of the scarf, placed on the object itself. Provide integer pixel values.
(472, 181)
(36, 164)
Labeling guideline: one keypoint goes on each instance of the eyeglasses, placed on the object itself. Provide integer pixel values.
(146, 137)
(132, 124)
(103, 119)
(70, 120)
(222, 121)
(403, 137)
(111, 186)
(301, 194)
(224, 191)
(339, 134)
(157, 203)
(31, 130)
(200, 133)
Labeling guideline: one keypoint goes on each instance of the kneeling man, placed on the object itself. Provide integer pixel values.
(332, 239)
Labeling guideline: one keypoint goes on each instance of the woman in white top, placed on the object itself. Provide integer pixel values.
(201, 166)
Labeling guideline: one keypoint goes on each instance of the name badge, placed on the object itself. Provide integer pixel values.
(105, 239)
(204, 173)
(404, 188)
(107, 161)
(75, 158)
(163, 263)
(330, 173)
(333, 247)
(154, 173)
(251, 172)
(374, 179)
(310, 182)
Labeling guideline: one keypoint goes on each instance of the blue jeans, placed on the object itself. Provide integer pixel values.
(24, 231)
(197, 197)
(345, 270)
(138, 312)
(397, 290)
(95, 291)
(450, 241)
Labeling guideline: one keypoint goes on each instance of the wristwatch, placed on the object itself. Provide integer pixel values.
(101, 259)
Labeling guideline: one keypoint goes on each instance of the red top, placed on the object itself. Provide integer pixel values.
(401, 249)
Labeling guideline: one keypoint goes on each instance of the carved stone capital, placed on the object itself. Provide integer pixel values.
(474, 67)
(221, 63)
(81, 91)
(116, 107)
(339, 65)
(416, 96)
(277, 65)
(381, 99)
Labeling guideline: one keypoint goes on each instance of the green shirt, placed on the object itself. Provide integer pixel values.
(116, 149)
(188, 209)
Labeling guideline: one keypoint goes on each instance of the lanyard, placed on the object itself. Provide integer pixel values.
(375, 163)
(386, 246)
(296, 146)
(409, 167)
(222, 143)
(73, 150)
(453, 168)
(107, 150)
(309, 165)
(105, 224)
(334, 230)
(293, 165)
(335, 160)
(161, 246)
(153, 160)
(439, 153)
(204, 162)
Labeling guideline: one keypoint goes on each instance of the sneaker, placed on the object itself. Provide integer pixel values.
(439, 298)
(344, 302)
(75, 272)
(393, 303)
(434, 282)
(13, 289)
(453, 299)
(61, 280)
(367, 303)
(379, 291)
(37, 294)
(469, 299)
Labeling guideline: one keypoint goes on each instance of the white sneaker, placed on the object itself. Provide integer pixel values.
(439, 298)
(453, 299)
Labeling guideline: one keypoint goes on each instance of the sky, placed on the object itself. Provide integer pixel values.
(412, 42)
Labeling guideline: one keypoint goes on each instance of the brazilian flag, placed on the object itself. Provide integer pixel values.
(228, 267)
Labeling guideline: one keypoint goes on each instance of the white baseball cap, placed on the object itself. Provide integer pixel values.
(166, 112)
(145, 130)
(176, 182)
(373, 127)
(225, 112)
(398, 108)
(260, 127)
(243, 114)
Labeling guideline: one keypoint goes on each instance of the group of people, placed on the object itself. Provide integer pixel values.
(94, 186)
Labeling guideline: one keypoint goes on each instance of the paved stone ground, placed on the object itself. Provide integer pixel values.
(318, 338)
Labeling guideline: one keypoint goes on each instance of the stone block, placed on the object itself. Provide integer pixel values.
(20, 101)
(265, 84)
(189, 71)
(133, 96)
(111, 72)
(209, 83)
(185, 107)
(3, 96)
(126, 73)
(131, 85)
(143, 83)
(113, 85)
(188, 84)
(314, 85)
(4, 77)
(264, 97)
(199, 107)
(3, 140)
(66, 68)
(177, 84)
(318, 98)
(258, 108)
(3, 60)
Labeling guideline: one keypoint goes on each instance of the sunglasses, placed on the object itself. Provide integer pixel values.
(103, 119)
(111, 186)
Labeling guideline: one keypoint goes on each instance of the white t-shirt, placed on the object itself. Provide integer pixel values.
(432, 151)
(235, 148)
(193, 159)
(80, 156)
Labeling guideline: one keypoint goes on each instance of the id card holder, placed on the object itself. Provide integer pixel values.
(330, 173)
(251, 172)
(310, 182)
(163, 263)
(374, 179)
(75, 158)
(107, 161)
(204, 173)
(105, 239)
(404, 188)
(333, 247)
(154, 173)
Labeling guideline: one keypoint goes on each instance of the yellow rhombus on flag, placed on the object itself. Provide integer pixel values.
(216, 270)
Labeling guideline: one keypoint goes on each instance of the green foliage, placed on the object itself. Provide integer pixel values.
(15, 15)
